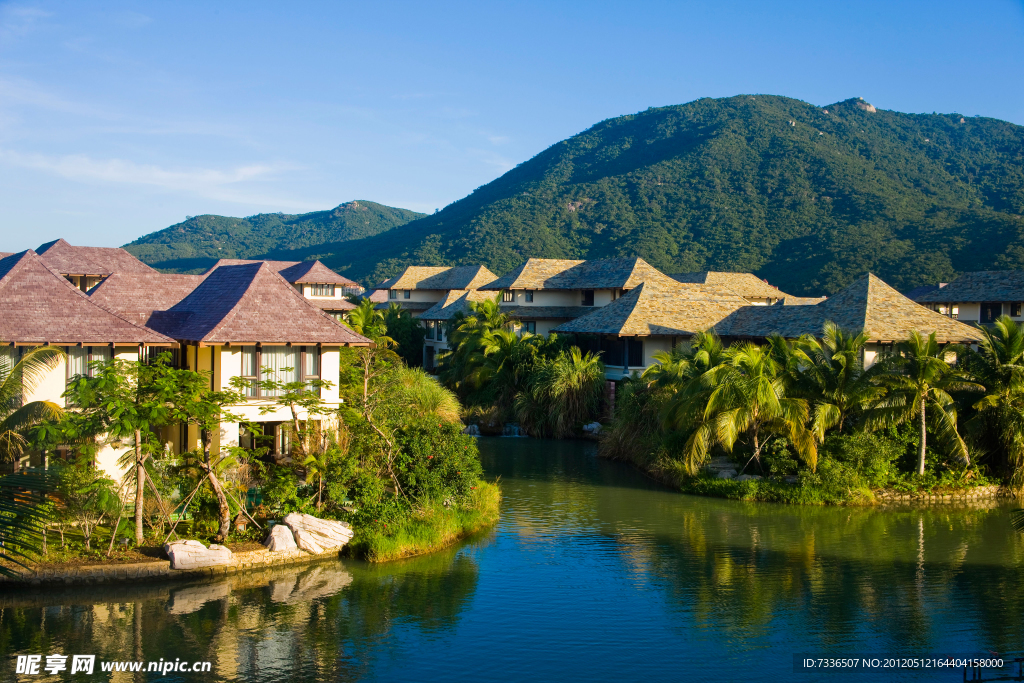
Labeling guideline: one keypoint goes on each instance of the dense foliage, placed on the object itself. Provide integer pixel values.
(196, 243)
(813, 425)
(808, 197)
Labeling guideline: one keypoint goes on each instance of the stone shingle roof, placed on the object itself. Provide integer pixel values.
(332, 304)
(38, 305)
(540, 273)
(546, 312)
(659, 308)
(70, 260)
(455, 301)
(440, 277)
(295, 272)
(745, 284)
(985, 285)
(251, 303)
(135, 296)
(868, 304)
(799, 300)
(375, 295)
(415, 308)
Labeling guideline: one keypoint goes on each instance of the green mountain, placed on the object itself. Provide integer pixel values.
(195, 244)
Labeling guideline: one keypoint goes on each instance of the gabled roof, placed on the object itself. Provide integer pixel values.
(868, 304)
(984, 285)
(250, 303)
(70, 260)
(661, 308)
(440, 277)
(616, 273)
(136, 296)
(744, 284)
(38, 305)
(295, 272)
(455, 301)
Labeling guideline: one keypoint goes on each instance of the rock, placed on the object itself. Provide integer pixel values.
(307, 541)
(726, 474)
(748, 477)
(195, 555)
(592, 428)
(280, 538)
(791, 479)
(472, 430)
(321, 533)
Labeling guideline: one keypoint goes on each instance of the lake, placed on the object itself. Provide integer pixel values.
(593, 573)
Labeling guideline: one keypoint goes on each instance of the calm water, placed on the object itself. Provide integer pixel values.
(593, 573)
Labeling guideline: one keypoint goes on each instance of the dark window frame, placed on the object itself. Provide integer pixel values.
(529, 326)
(528, 296)
(587, 297)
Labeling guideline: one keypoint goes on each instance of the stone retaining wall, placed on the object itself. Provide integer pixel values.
(978, 494)
(160, 570)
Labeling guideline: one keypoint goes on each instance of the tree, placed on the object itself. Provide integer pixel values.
(23, 517)
(748, 398)
(86, 495)
(406, 332)
(126, 401)
(366, 320)
(16, 417)
(917, 377)
(999, 366)
(562, 394)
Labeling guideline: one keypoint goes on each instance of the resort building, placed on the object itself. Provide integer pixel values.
(978, 297)
(86, 267)
(542, 294)
(418, 288)
(749, 286)
(868, 305)
(435, 320)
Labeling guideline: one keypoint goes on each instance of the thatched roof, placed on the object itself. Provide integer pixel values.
(440, 277)
(250, 303)
(659, 308)
(868, 304)
(980, 286)
(99, 261)
(539, 273)
(745, 284)
(38, 305)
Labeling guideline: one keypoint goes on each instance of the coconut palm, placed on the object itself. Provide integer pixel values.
(16, 416)
(366, 320)
(830, 373)
(563, 394)
(999, 366)
(919, 377)
(504, 360)
(466, 333)
(749, 398)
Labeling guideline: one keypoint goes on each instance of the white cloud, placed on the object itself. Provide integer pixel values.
(232, 185)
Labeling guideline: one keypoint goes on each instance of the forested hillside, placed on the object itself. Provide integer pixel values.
(199, 241)
(808, 197)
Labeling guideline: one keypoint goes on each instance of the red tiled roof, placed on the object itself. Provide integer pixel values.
(69, 260)
(251, 303)
(38, 305)
(295, 272)
(137, 296)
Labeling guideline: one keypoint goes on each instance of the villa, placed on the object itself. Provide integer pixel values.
(979, 297)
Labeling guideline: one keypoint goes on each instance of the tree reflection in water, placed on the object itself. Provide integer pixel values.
(320, 622)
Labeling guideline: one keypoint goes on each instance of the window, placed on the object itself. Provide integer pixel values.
(529, 296)
(321, 290)
(530, 326)
(636, 352)
(310, 363)
(508, 295)
(407, 294)
(392, 293)
(955, 313)
(280, 363)
(250, 369)
(81, 358)
(1015, 310)
(588, 297)
(430, 329)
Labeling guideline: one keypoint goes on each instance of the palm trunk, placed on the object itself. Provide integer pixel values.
(140, 488)
(924, 436)
(224, 527)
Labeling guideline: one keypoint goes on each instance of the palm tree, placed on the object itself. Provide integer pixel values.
(504, 360)
(366, 320)
(465, 340)
(563, 394)
(749, 398)
(830, 372)
(16, 379)
(22, 518)
(999, 366)
(919, 377)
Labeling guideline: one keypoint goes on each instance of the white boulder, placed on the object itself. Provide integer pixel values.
(195, 555)
(472, 430)
(280, 538)
(592, 428)
(322, 533)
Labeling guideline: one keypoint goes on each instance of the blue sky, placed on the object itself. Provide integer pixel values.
(118, 119)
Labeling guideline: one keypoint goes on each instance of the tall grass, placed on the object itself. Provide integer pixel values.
(424, 395)
(563, 394)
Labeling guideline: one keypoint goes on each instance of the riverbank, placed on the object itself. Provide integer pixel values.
(432, 528)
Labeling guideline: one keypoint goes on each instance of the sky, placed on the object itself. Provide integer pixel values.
(118, 119)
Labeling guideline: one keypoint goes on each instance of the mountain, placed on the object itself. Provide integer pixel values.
(807, 197)
(195, 244)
